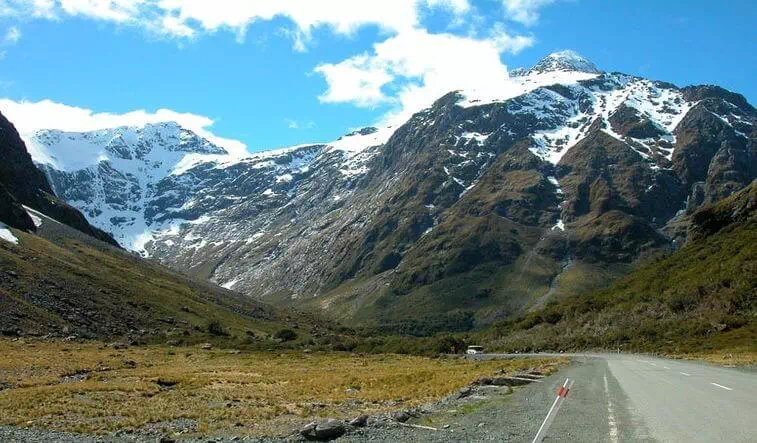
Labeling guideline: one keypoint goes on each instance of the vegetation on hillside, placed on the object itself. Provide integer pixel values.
(62, 283)
(702, 297)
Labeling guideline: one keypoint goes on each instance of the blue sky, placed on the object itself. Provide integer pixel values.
(277, 73)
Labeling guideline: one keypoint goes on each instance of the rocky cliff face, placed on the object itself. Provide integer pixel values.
(474, 209)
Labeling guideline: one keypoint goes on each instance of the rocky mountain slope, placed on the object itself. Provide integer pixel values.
(476, 209)
(702, 297)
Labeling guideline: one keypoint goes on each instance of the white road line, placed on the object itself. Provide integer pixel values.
(721, 386)
(611, 415)
(683, 373)
(666, 367)
(652, 364)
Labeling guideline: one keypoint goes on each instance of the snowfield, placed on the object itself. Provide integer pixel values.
(7, 235)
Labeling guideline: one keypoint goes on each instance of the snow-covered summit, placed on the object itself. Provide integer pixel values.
(362, 139)
(567, 60)
(154, 141)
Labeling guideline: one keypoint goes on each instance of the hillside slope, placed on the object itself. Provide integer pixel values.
(60, 282)
(61, 277)
(701, 297)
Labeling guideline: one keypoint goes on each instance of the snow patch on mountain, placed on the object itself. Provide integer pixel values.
(6, 234)
(358, 148)
(664, 107)
(358, 141)
(230, 284)
(151, 185)
(517, 86)
(564, 118)
(37, 220)
(479, 138)
(564, 67)
(565, 61)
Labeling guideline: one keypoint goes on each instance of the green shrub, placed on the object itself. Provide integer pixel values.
(216, 328)
(682, 301)
(285, 335)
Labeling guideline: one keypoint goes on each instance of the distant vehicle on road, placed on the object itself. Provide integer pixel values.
(475, 350)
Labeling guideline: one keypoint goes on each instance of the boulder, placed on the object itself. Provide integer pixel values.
(464, 392)
(324, 431)
(401, 416)
(309, 431)
(329, 430)
(359, 422)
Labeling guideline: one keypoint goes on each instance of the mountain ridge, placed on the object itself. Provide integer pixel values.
(567, 174)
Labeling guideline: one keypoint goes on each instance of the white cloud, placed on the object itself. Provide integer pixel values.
(44, 9)
(119, 11)
(189, 18)
(358, 79)
(525, 11)
(420, 67)
(408, 70)
(294, 124)
(46, 114)
(12, 35)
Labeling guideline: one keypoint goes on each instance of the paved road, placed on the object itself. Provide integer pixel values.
(684, 401)
(655, 399)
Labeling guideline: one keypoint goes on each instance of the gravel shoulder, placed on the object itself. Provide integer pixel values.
(517, 416)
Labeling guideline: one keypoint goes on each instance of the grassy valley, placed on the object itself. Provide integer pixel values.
(88, 387)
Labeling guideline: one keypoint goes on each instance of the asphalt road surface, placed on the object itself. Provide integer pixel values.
(684, 401)
(640, 398)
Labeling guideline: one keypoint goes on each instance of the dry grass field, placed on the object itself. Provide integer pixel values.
(90, 387)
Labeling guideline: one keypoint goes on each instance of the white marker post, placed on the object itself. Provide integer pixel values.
(561, 394)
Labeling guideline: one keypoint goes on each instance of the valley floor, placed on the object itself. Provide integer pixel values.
(75, 389)
(91, 392)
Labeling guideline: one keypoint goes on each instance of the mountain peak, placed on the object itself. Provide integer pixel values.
(163, 142)
(566, 60)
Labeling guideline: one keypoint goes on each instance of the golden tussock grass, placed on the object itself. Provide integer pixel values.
(91, 388)
(732, 357)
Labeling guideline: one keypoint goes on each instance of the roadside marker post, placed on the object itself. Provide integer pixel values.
(562, 393)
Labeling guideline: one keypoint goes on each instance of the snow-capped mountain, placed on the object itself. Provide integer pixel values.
(116, 171)
(143, 183)
(467, 212)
